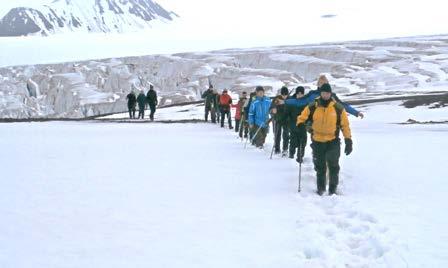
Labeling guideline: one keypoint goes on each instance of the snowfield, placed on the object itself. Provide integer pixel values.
(102, 194)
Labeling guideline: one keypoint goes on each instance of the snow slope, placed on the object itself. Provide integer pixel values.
(190, 195)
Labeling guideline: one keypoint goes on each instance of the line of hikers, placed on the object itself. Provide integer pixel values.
(150, 99)
(319, 112)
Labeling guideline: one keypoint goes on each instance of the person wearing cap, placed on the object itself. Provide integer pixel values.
(225, 101)
(298, 135)
(280, 123)
(239, 113)
(327, 118)
(259, 117)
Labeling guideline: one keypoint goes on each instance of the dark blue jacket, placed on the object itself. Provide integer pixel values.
(312, 95)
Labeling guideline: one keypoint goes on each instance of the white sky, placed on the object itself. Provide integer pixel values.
(218, 24)
(298, 21)
(265, 22)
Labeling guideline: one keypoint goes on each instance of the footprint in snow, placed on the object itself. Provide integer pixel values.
(334, 231)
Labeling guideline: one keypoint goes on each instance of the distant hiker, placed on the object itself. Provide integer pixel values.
(141, 100)
(239, 112)
(225, 101)
(249, 101)
(313, 94)
(280, 122)
(327, 118)
(210, 103)
(298, 134)
(244, 129)
(151, 98)
(218, 107)
(259, 116)
(132, 100)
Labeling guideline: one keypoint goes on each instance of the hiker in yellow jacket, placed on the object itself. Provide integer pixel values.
(327, 119)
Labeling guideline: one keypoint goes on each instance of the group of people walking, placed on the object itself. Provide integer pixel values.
(150, 99)
(218, 106)
(319, 112)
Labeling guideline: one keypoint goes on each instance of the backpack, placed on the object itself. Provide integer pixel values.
(337, 106)
(224, 102)
(225, 99)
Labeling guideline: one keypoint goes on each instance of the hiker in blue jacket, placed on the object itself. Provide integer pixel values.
(259, 116)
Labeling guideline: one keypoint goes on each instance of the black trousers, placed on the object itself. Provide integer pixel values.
(237, 125)
(297, 142)
(152, 107)
(141, 112)
(260, 137)
(281, 131)
(244, 128)
(212, 112)
(131, 112)
(225, 113)
(218, 114)
(326, 154)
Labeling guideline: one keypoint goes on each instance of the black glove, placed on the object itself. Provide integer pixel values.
(348, 146)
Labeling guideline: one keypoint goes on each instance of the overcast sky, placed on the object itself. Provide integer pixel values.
(298, 20)
(218, 24)
(265, 22)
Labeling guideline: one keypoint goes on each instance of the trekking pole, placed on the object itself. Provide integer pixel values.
(275, 138)
(242, 127)
(256, 133)
(272, 151)
(300, 167)
(253, 138)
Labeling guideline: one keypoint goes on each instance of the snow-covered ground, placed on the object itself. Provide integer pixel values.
(185, 112)
(189, 195)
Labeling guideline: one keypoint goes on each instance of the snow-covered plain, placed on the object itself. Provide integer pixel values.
(97, 194)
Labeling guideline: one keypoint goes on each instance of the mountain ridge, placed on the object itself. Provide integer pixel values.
(99, 16)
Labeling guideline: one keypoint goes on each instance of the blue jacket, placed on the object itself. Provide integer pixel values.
(312, 95)
(259, 111)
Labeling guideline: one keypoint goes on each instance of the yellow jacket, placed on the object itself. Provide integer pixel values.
(324, 122)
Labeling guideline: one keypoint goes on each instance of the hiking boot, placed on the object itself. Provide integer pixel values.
(320, 192)
(299, 159)
(284, 153)
(332, 190)
(291, 155)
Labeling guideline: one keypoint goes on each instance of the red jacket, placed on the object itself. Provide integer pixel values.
(225, 101)
(239, 108)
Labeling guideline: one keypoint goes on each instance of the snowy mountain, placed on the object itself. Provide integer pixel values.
(83, 16)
